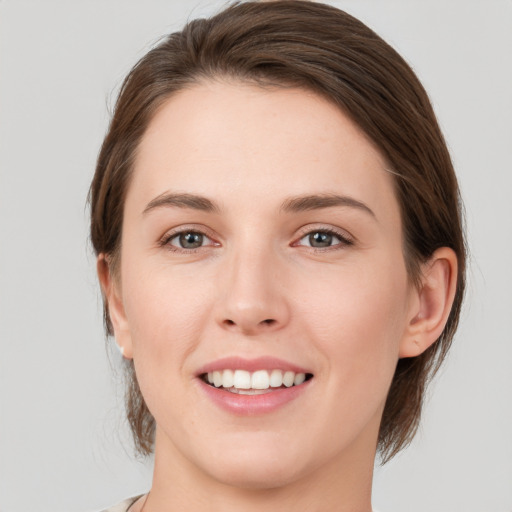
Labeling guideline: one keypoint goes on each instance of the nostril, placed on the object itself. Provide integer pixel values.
(249, 326)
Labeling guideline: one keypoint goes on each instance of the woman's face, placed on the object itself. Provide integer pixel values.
(261, 239)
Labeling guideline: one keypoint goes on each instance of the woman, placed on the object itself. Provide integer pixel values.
(278, 231)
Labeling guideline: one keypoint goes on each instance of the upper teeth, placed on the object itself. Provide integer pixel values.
(261, 379)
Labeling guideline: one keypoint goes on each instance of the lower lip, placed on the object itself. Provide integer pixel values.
(247, 405)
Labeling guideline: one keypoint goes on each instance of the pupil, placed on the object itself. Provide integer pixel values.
(320, 239)
(191, 240)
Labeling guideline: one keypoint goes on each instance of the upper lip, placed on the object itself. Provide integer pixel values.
(251, 365)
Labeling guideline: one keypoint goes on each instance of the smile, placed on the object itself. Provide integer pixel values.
(248, 387)
(254, 383)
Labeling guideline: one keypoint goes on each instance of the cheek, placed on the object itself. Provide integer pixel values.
(358, 321)
(166, 316)
(165, 310)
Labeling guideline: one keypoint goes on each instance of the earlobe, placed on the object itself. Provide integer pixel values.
(435, 298)
(112, 296)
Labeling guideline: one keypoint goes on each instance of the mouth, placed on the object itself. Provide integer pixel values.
(260, 382)
(257, 386)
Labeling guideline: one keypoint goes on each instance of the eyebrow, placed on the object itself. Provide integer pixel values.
(293, 204)
(181, 200)
(319, 201)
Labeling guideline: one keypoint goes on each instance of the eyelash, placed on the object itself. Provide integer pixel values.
(168, 237)
(344, 239)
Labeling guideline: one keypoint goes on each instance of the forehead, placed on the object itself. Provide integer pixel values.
(234, 140)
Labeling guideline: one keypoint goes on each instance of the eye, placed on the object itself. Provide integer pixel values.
(187, 240)
(323, 239)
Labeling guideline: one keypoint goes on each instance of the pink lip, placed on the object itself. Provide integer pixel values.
(250, 365)
(248, 405)
(251, 405)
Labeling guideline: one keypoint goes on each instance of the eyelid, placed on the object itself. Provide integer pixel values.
(164, 240)
(345, 237)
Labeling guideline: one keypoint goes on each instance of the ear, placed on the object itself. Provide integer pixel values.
(434, 299)
(112, 295)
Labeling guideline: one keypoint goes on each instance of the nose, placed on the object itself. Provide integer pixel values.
(253, 299)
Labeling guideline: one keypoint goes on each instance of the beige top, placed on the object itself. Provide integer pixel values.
(123, 506)
(126, 504)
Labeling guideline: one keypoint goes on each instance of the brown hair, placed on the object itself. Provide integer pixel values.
(325, 50)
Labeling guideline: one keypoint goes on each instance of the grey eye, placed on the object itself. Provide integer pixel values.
(188, 240)
(321, 239)
(325, 239)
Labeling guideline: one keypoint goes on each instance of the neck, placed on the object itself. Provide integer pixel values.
(342, 484)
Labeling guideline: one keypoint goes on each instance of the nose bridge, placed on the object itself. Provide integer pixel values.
(253, 300)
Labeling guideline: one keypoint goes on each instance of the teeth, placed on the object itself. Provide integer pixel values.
(217, 379)
(228, 379)
(299, 379)
(248, 391)
(242, 379)
(276, 379)
(288, 379)
(260, 380)
(243, 382)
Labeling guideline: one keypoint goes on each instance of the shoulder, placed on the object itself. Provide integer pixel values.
(126, 504)
(123, 506)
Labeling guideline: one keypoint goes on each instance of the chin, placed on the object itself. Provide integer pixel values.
(256, 475)
(257, 465)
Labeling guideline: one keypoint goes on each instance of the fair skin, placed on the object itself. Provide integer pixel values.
(294, 252)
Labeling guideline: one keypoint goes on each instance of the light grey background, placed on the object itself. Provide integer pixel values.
(63, 443)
